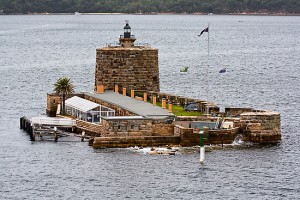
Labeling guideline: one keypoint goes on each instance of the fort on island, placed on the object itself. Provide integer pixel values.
(127, 108)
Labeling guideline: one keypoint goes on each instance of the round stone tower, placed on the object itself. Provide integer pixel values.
(130, 66)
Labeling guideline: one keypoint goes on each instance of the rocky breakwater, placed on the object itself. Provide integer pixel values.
(262, 127)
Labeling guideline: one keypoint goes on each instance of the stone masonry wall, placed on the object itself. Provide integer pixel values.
(268, 120)
(234, 112)
(134, 68)
(53, 101)
(261, 127)
(144, 141)
(139, 127)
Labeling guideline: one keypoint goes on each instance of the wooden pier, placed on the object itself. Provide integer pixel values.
(46, 127)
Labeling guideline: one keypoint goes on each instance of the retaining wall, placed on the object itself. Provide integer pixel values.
(144, 141)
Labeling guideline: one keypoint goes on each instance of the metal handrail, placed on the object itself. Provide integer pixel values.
(131, 36)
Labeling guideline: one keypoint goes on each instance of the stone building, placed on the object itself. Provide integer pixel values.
(127, 65)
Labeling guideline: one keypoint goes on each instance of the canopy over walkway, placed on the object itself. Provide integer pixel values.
(87, 110)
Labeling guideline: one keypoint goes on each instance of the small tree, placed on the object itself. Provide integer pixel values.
(62, 87)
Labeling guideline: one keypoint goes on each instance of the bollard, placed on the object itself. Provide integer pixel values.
(163, 103)
(132, 93)
(116, 89)
(124, 91)
(170, 107)
(154, 100)
(145, 96)
(100, 89)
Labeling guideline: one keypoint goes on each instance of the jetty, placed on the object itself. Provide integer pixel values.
(46, 126)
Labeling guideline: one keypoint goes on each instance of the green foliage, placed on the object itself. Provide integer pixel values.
(151, 6)
(62, 87)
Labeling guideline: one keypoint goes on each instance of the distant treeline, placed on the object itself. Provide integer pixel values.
(150, 6)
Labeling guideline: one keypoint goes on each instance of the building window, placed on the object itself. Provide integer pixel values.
(119, 127)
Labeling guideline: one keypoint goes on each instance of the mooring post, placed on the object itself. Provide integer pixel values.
(21, 123)
(222, 140)
(31, 134)
(27, 126)
(82, 136)
(55, 134)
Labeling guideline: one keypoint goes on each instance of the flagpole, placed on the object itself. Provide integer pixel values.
(207, 66)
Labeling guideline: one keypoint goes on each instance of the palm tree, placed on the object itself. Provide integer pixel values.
(63, 86)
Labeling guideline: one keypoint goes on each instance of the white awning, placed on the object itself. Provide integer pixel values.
(81, 104)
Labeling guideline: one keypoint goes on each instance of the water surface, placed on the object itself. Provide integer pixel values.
(261, 54)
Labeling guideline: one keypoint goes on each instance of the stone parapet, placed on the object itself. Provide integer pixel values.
(235, 112)
(268, 119)
(180, 100)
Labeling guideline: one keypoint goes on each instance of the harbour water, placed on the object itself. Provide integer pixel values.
(261, 54)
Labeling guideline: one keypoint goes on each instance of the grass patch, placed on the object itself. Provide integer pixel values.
(179, 110)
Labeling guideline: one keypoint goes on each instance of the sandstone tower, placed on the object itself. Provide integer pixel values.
(127, 65)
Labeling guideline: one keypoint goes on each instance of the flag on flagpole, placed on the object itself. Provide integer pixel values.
(204, 30)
